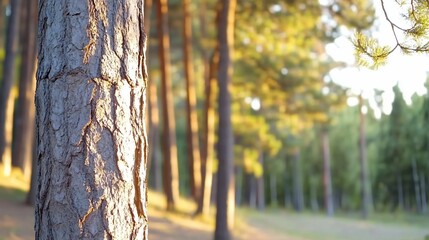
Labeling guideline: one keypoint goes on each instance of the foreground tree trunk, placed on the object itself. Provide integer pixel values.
(169, 147)
(23, 143)
(225, 186)
(6, 94)
(327, 183)
(365, 186)
(90, 100)
(194, 156)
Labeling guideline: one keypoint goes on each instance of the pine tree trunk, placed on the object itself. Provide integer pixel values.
(207, 151)
(31, 195)
(3, 5)
(327, 183)
(298, 193)
(313, 196)
(90, 101)
(225, 180)
(22, 151)
(194, 156)
(366, 199)
(400, 192)
(169, 147)
(287, 198)
(239, 187)
(260, 186)
(253, 192)
(273, 190)
(6, 94)
(416, 186)
(423, 193)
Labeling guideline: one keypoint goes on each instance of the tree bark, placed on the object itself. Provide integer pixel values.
(90, 101)
(6, 94)
(287, 197)
(416, 186)
(260, 186)
(400, 192)
(423, 193)
(313, 197)
(273, 190)
(225, 185)
(208, 153)
(169, 147)
(327, 183)
(365, 185)
(3, 5)
(22, 151)
(298, 193)
(194, 156)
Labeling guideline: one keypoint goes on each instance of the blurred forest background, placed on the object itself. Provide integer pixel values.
(302, 142)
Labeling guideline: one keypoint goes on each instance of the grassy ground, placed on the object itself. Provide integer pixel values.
(16, 221)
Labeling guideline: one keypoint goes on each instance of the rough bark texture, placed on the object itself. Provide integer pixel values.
(90, 100)
(6, 95)
(22, 151)
(193, 145)
(169, 147)
(327, 183)
(225, 189)
(366, 198)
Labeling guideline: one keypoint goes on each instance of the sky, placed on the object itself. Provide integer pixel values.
(409, 71)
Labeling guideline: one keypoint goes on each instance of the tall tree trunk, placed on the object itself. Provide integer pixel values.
(23, 143)
(154, 164)
(239, 187)
(313, 197)
(423, 193)
(260, 186)
(416, 186)
(169, 147)
(3, 5)
(365, 185)
(400, 192)
(90, 100)
(273, 189)
(298, 192)
(194, 156)
(207, 151)
(225, 184)
(327, 183)
(31, 195)
(287, 198)
(253, 192)
(6, 94)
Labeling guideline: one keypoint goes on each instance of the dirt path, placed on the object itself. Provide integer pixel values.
(16, 223)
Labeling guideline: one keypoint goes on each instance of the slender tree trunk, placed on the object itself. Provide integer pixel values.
(23, 143)
(90, 100)
(207, 151)
(400, 192)
(313, 196)
(287, 198)
(31, 195)
(3, 5)
(327, 183)
(423, 193)
(298, 193)
(416, 186)
(260, 186)
(6, 94)
(154, 164)
(273, 189)
(239, 188)
(253, 192)
(191, 105)
(366, 199)
(169, 147)
(225, 184)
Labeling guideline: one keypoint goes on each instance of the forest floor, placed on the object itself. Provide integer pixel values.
(17, 221)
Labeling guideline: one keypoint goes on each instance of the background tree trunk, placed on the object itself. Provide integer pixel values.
(169, 147)
(273, 189)
(400, 192)
(260, 185)
(6, 94)
(365, 191)
(225, 184)
(415, 175)
(327, 183)
(90, 99)
(22, 151)
(298, 192)
(423, 193)
(193, 145)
